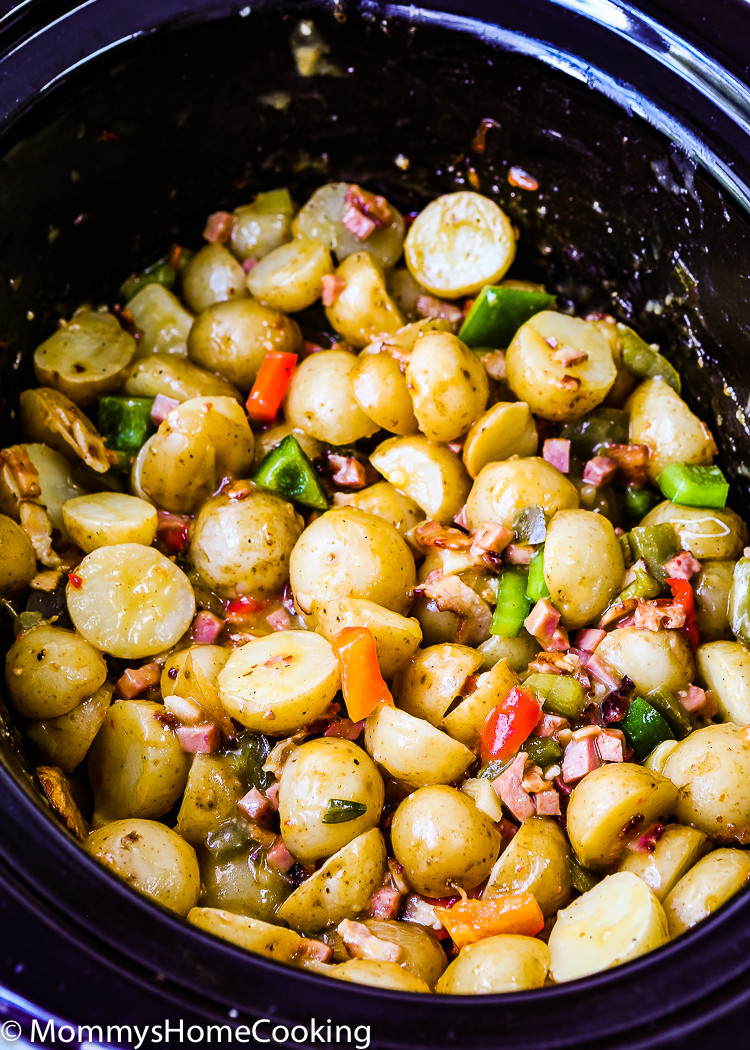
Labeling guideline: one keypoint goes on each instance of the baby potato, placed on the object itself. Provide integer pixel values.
(200, 443)
(710, 769)
(320, 400)
(434, 678)
(269, 439)
(162, 321)
(705, 532)
(86, 357)
(379, 974)
(103, 518)
(535, 861)
(211, 796)
(458, 243)
(317, 773)
(396, 637)
(55, 481)
(711, 588)
(404, 291)
(262, 226)
(412, 750)
(507, 429)
(173, 376)
(560, 366)
(428, 473)
(341, 888)
(583, 565)
(618, 920)
(347, 553)
(17, 558)
(710, 883)
(506, 963)
(48, 416)
(380, 389)
(209, 659)
(363, 308)
(152, 859)
(49, 671)
(320, 218)
(502, 489)
(278, 683)
(442, 839)
(660, 419)
(213, 275)
(519, 652)
(234, 337)
(64, 740)
(649, 658)
(385, 501)
(137, 767)
(658, 757)
(676, 851)
(130, 601)
(421, 953)
(242, 546)
(466, 720)
(602, 807)
(254, 935)
(290, 278)
(724, 667)
(448, 385)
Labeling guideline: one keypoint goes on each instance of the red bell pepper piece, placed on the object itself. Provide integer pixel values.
(682, 593)
(509, 724)
(239, 609)
(270, 386)
(361, 681)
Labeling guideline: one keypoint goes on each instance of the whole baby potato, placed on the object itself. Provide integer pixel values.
(709, 768)
(347, 553)
(502, 489)
(243, 546)
(318, 772)
(213, 275)
(442, 839)
(50, 670)
(427, 472)
(320, 400)
(448, 384)
(380, 389)
(290, 278)
(505, 963)
(385, 501)
(17, 558)
(711, 588)
(660, 419)
(152, 859)
(175, 377)
(234, 337)
(86, 357)
(363, 309)
(583, 565)
(704, 531)
(649, 658)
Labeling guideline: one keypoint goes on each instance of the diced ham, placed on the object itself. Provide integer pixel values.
(272, 794)
(682, 566)
(557, 452)
(547, 803)
(550, 725)
(542, 623)
(519, 554)
(172, 531)
(202, 739)
(162, 406)
(632, 461)
(452, 594)
(206, 628)
(363, 944)
(432, 534)
(357, 223)
(137, 680)
(279, 619)
(348, 472)
(345, 729)
(494, 364)
(332, 287)
(610, 745)
(373, 205)
(279, 856)
(570, 355)
(589, 638)
(218, 227)
(580, 758)
(255, 805)
(599, 471)
(460, 518)
(309, 948)
(652, 616)
(491, 537)
(421, 912)
(385, 903)
(697, 701)
(603, 672)
(510, 792)
(249, 264)
(437, 309)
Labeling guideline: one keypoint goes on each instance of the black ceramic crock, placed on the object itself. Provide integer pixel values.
(124, 122)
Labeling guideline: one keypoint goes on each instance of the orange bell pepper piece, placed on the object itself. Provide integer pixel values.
(470, 920)
(270, 386)
(361, 681)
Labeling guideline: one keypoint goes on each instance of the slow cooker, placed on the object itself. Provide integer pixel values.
(122, 125)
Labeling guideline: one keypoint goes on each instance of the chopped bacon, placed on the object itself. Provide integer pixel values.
(557, 663)
(333, 286)
(567, 382)
(533, 782)
(617, 611)
(632, 461)
(348, 472)
(345, 729)
(279, 856)
(491, 537)
(255, 805)
(162, 406)
(557, 452)
(219, 226)
(385, 903)
(249, 264)
(610, 745)
(521, 179)
(519, 554)
(357, 223)
(206, 628)
(580, 758)
(172, 531)
(19, 473)
(509, 789)
(309, 948)
(547, 803)
(433, 534)
(422, 912)
(202, 739)
(570, 355)
(363, 944)
(137, 680)
(589, 638)
(439, 310)
(550, 725)
(373, 205)
(451, 594)
(599, 471)
(494, 364)
(697, 701)
(652, 616)
(682, 566)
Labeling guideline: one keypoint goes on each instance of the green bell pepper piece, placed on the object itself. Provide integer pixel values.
(671, 710)
(498, 312)
(694, 486)
(643, 586)
(341, 811)
(536, 588)
(582, 879)
(125, 422)
(159, 272)
(513, 605)
(603, 426)
(543, 750)
(644, 361)
(560, 694)
(644, 727)
(228, 840)
(530, 525)
(494, 768)
(639, 501)
(656, 544)
(739, 601)
(287, 470)
(248, 757)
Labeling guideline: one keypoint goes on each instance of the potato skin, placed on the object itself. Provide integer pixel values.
(427, 472)
(705, 532)
(152, 859)
(50, 670)
(441, 838)
(65, 740)
(17, 558)
(502, 489)
(506, 429)
(320, 400)
(535, 861)
(505, 963)
(363, 309)
(290, 278)
(583, 565)
(711, 588)
(649, 658)
(176, 377)
(379, 974)
(422, 954)
(709, 884)
(85, 358)
(213, 275)
(412, 750)
(448, 385)
(724, 667)
(380, 389)
(660, 419)
(675, 852)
